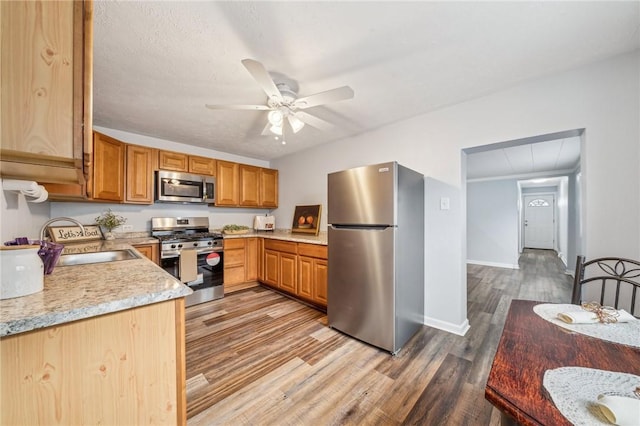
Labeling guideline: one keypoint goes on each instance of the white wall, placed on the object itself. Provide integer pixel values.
(602, 98)
(19, 218)
(492, 223)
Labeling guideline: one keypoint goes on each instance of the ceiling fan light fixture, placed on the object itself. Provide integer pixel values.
(296, 123)
(276, 117)
(276, 130)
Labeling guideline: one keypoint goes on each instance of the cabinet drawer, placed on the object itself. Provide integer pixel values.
(233, 275)
(235, 243)
(312, 250)
(283, 246)
(233, 257)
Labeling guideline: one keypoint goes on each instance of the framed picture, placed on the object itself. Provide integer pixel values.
(306, 219)
(69, 234)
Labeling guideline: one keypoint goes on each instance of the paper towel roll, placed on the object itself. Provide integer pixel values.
(19, 185)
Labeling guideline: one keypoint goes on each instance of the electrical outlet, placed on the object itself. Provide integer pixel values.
(126, 228)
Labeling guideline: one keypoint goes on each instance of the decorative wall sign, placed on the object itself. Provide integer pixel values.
(68, 234)
(306, 219)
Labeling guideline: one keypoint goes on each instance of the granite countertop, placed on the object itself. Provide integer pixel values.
(284, 234)
(84, 291)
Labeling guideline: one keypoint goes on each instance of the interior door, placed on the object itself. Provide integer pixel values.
(539, 229)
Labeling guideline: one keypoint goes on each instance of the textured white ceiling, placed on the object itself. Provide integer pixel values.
(157, 63)
(529, 159)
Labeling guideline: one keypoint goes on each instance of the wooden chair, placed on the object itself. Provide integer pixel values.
(616, 279)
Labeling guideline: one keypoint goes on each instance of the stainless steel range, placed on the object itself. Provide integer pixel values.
(192, 233)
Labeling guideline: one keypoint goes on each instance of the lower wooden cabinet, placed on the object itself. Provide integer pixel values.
(122, 368)
(149, 250)
(298, 269)
(312, 273)
(240, 262)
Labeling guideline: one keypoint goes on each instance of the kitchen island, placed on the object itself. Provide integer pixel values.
(101, 344)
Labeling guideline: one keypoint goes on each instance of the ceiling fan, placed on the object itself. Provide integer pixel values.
(284, 105)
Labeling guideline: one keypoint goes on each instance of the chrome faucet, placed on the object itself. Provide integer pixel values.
(57, 219)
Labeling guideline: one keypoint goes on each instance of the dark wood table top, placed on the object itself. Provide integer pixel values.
(529, 346)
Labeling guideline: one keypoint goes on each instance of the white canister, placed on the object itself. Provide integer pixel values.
(22, 271)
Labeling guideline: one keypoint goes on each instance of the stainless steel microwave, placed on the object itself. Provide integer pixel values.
(175, 187)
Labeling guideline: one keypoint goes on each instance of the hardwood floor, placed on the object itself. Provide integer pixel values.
(259, 358)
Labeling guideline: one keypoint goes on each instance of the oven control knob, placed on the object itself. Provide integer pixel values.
(210, 243)
(179, 245)
(195, 244)
(173, 246)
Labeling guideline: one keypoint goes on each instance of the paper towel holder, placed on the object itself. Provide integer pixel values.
(32, 192)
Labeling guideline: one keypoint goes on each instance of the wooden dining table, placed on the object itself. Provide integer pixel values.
(531, 345)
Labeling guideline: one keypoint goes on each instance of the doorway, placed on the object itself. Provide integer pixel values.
(539, 221)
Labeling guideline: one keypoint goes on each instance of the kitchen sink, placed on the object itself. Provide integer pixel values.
(97, 257)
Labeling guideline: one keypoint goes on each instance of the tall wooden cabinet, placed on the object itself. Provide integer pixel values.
(139, 174)
(45, 82)
(108, 168)
(227, 183)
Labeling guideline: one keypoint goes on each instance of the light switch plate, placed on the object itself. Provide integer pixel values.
(444, 203)
(126, 228)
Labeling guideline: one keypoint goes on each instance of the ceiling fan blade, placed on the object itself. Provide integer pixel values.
(250, 107)
(266, 131)
(260, 74)
(314, 121)
(333, 95)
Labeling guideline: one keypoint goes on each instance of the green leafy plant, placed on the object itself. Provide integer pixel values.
(234, 228)
(109, 220)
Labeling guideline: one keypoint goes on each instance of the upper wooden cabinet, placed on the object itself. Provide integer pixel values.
(202, 165)
(227, 183)
(122, 172)
(108, 168)
(258, 187)
(179, 162)
(46, 90)
(175, 161)
(268, 188)
(139, 174)
(249, 183)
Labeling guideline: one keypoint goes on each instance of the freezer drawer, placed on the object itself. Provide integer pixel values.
(361, 284)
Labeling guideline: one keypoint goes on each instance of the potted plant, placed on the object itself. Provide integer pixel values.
(108, 221)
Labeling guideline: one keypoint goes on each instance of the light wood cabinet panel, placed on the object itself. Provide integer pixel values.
(44, 82)
(268, 188)
(288, 272)
(226, 183)
(202, 165)
(260, 254)
(283, 246)
(139, 173)
(249, 182)
(79, 372)
(271, 267)
(234, 258)
(168, 160)
(108, 168)
(320, 274)
(305, 277)
(251, 259)
(149, 250)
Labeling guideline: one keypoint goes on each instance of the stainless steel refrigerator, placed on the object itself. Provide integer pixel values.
(376, 253)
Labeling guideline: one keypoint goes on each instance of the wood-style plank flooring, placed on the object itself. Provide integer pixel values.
(259, 358)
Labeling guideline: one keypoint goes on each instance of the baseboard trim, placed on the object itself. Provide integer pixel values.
(459, 329)
(495, 264)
